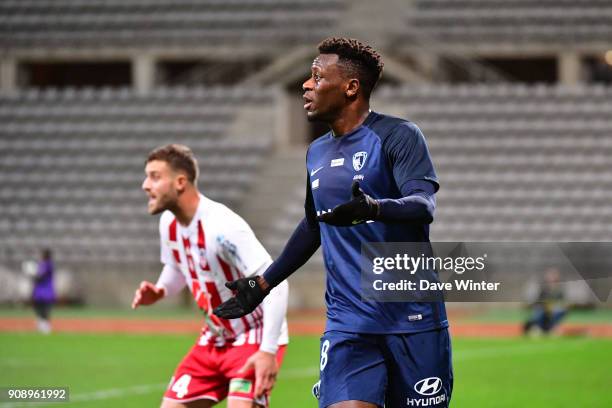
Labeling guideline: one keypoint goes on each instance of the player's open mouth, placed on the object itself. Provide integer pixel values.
(307, 103)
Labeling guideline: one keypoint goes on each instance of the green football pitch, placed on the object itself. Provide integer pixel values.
(132, 370)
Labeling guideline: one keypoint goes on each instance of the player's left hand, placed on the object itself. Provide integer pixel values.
(250, 292)
(266, 369)
(358, 210)
(147, 294)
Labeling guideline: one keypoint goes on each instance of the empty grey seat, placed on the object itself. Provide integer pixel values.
(155, 23)
(483, 22)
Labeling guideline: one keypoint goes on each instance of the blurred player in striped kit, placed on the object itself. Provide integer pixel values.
(204, 244)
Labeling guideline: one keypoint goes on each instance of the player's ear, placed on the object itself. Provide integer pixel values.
(352, 88)
(181, 182)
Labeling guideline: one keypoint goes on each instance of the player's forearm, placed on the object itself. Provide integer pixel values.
(303, 243)
(417, 205)
(171, 280)
(275, 309)
(418, 208)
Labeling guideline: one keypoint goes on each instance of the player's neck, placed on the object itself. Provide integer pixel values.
(350, 119)
(188, 206)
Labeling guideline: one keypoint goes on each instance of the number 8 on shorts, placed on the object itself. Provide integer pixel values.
(324, 350)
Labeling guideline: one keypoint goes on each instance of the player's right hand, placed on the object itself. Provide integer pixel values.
(147, 294)
(266, 369)
(359, 209)
(250, 292)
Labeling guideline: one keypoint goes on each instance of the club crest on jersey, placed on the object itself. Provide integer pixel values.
(229, 252)
(359, 159)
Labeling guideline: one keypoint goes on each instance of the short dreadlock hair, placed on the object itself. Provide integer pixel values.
(359, 59)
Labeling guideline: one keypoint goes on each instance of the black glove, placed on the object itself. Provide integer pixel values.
(360, 209)
(249, 294)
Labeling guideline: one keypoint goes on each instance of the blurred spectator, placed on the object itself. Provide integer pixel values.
(43, 295)
(549, 309)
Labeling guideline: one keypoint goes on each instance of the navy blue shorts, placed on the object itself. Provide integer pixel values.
(394, 370)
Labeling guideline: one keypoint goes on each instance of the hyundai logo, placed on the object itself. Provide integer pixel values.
(428, 386)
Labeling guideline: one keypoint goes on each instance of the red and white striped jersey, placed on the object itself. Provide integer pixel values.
(218, 246)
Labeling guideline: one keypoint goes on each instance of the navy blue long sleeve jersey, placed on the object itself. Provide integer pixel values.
(387, 155)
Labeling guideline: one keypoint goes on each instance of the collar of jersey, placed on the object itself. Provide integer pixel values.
(368, 120)
(192, 227)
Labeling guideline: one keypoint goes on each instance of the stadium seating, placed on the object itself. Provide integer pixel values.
(71, 164)
(515, 22)
(142, 23)
(516, 162)
(272, 24)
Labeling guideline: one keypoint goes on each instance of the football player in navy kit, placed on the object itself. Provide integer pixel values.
(370, 179)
